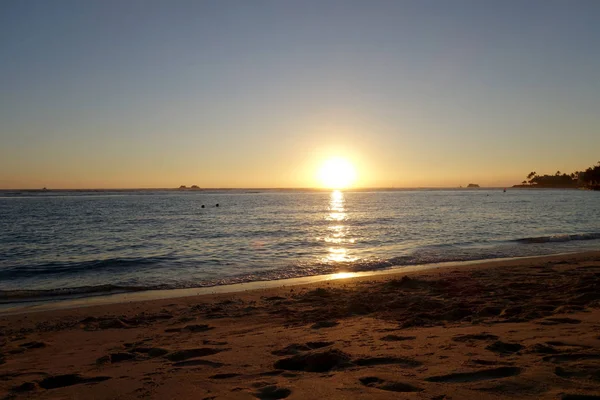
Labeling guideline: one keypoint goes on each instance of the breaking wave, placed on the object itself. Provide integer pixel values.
(560, 238)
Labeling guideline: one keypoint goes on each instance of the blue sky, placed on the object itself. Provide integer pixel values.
(260, 93)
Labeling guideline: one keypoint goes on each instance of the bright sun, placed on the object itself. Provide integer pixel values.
(337, 173)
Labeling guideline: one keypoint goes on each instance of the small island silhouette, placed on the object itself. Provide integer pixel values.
(193, 187)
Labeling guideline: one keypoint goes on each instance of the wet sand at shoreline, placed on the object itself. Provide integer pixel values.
(525, 328)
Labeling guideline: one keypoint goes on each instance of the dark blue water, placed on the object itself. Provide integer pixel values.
(87, 242)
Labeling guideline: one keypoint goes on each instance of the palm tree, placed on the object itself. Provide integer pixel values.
(532, 175)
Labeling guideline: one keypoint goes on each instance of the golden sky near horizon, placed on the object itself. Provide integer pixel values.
(104, 94)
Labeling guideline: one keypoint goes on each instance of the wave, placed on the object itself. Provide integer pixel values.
(54, 268)
(13, 296)
(297, 270)
(560, 238)
(290, 271)
(135, 270)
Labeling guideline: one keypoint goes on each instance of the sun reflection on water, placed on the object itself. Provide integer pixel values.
(338, 233)
(336, 207)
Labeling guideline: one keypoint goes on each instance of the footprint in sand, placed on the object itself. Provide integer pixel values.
(25, 387)
(296, 348)
(324, 324)
(274, 298)
(396, 338)
(477, 336)
(190, 328)
(195, 363)
(462, 377)
(540, 348)
(580, 371)
(193, 353)
(272, 393)
(503, 387)
(33, 345)
(224, 376)
(503, 347)
(58, 381)
(150, 351)
(324, 361)
(572, 357)
(272, 373)
(403, 362)
(378, 383)
(115, 358)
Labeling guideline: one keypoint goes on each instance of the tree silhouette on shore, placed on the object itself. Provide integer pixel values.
(590, 179)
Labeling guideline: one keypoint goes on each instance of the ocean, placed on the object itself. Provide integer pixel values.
(83, 243)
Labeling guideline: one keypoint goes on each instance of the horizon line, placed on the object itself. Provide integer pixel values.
(255, 188)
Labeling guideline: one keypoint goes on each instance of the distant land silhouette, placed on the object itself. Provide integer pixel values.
(588, 179)
(193, 187)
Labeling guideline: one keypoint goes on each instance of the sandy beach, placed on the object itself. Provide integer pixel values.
(527, 328)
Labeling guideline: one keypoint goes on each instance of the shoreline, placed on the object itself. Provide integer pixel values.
(49, 304)
(522, 328)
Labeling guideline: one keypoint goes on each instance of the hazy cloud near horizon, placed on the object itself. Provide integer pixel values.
(258, 94)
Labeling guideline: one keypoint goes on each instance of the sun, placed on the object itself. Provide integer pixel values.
(337, 173)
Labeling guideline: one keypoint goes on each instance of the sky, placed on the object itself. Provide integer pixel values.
(142, 94)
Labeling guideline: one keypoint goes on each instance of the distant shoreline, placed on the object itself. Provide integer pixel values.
(249, 190)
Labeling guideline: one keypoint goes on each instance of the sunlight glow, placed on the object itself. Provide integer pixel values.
(342, 275)
(337, 173)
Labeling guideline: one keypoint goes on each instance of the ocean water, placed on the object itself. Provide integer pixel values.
(84, 243)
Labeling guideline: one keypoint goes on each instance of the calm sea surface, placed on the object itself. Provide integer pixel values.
(93, 242)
